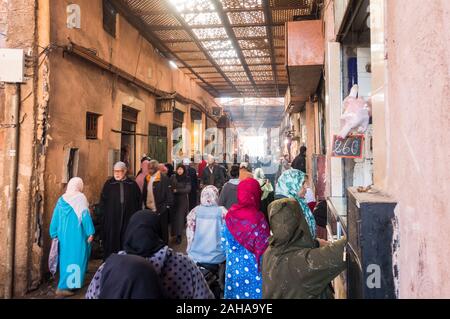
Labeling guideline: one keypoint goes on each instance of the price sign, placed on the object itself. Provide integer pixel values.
(350, 147)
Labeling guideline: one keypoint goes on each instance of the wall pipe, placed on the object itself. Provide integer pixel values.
(87, 55)
(12, 200)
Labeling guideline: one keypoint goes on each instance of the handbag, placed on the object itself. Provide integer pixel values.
(53, 257)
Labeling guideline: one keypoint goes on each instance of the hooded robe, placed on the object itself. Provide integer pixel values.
(293, 266)
(119, 201)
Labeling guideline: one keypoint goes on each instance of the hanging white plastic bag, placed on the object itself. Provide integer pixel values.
(53, 257)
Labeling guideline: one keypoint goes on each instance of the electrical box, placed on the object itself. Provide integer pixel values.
(12, 65)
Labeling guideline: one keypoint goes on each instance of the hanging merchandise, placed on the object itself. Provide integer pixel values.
(356, 114)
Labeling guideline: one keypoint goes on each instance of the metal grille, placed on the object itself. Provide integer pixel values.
(92, 126)
(230, 47)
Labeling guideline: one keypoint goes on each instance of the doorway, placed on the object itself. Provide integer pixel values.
(177, 135)
(128, 138)
(157, 143)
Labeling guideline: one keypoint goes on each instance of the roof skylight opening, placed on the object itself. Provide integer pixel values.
(192, 5)
(228, 61)
(218, 45)
(223, 54)
(211, 33)
(206, 18)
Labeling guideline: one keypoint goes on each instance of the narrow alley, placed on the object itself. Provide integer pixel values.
(224, 149)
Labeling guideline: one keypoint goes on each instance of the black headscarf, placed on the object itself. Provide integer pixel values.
(181, 178)
(320, 213)
(129, 277)
(303, 151)
(169, 169)
(143, 234)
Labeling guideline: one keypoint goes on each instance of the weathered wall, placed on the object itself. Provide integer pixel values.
(3, 134)
(418, 147)
(333, 100)
(78, 87)
(410, 95)
(311, 134)
(18, 25)
(56, 98)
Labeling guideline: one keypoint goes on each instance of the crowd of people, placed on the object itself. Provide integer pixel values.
(260, 240)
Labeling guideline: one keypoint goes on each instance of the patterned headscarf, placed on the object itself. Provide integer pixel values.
(288, 185)
(209, 196)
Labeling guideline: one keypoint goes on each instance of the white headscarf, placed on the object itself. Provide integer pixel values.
(259, 173)
(75, 198)
(309, 196)
(186, 161)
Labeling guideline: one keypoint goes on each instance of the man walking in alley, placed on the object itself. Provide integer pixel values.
(120, 199)
(213, 174)
(158, 197)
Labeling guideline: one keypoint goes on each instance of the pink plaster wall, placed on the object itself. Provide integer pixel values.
(418, 143)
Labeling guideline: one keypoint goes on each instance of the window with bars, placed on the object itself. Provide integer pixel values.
(109, 18)
(92, 126)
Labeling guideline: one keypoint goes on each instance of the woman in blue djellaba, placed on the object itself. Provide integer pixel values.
(72, 225)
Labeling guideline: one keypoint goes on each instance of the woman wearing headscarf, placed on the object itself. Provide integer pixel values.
(291, 184)
(179, 275)
(204, 226)
(120, 199)
(142, 173)
(284, 166)
(72, 225)
(266, 189)
(130, 277)
(244, 239)
(181, 187)
(245, 171)
(294, 264)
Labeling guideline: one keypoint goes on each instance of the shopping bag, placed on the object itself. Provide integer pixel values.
(53, 257)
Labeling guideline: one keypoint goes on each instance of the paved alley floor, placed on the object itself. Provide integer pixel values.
(47, 289)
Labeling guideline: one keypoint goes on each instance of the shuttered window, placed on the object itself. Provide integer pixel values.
(109, 18)
(92, 126)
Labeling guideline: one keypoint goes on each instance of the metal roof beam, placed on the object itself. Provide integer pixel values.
(226, 23)
(226, 10)
(199, 44)
(209, 66)
(268, 18)
(151, 38)
(208, 26)
(222, 39)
